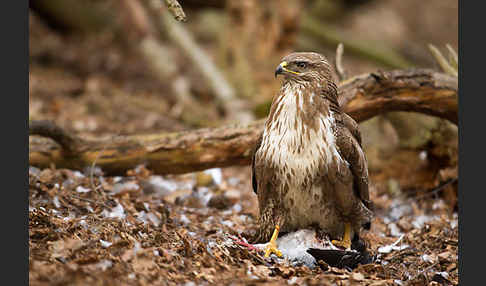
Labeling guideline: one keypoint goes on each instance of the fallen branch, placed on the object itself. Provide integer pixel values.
(68, 142)
(417, 90)
(362, 97)
(178, 152)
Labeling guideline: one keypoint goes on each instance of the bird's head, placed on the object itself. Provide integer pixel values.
(304, 67)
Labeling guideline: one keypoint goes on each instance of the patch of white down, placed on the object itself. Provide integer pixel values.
(117, 212)
(294, 246)
(282, 139)
(394, 246)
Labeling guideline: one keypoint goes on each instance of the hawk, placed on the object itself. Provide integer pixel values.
(308, 168)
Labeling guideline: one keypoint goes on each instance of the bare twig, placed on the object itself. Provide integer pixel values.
(92, 169)
(341, 72)
(410, 196)
(423, 272)
(176, 10)
(453, 59)
(441, 60)
(435, 190)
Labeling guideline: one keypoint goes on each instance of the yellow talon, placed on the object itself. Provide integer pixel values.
(346, 241)
(272, 245)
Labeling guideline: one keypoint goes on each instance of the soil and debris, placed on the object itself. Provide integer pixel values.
(142, 228)
(87, 228)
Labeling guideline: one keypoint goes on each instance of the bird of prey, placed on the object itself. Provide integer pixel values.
(308, 168)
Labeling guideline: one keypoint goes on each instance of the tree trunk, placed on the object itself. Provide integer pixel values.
(362, 97)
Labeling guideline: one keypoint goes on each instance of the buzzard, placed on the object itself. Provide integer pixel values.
(308, 168)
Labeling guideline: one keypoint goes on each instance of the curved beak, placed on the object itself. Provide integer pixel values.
(279, 69)
(282, 69)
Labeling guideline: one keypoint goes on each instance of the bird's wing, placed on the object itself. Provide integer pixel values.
(352, 126)
(348, 141)
(253, 176)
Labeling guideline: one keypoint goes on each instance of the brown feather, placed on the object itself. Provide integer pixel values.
(253, 176)
(308, 168)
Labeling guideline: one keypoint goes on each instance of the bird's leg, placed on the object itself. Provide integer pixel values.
(272, 244)
(346, 241)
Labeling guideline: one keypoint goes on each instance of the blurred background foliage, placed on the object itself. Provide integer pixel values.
(104, 67)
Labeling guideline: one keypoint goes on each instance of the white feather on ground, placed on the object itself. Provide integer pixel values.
(294, 246)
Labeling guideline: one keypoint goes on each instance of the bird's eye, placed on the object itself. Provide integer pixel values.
(301, 64)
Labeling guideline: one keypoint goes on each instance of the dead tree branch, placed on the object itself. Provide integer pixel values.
(362, 97)
(417, 90)
(176, 10)
(341, 72)
(179, 152)
(67, 141)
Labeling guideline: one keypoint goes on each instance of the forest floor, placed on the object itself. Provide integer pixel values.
(143, 229)
(140, 228)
